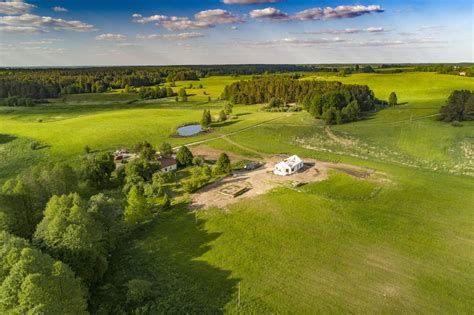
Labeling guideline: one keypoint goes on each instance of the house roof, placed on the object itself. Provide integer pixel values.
(165, 162)
(293, 160)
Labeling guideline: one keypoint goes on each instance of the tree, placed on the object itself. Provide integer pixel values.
(184, 156)
(222, 116)
(22, 200)
(392, 100)
(34, 283)
(138, 291)
(138, 209)
(228, 107)
(97, 170)
(223, 165)
(182, 92)
(198, 161)
(329, 116)
(206, 119)
(468, 112)
(459, 106)
(145, 150)
(70, 233)
(166, 150)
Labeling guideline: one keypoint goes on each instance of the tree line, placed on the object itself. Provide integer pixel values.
(333, 101)
(51, 83)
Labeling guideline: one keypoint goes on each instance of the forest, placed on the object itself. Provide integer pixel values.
(332, 101)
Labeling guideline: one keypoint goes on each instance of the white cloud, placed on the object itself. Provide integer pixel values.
(111, 37)
(203, 19)
(9, 29)
(127, 45)
(296, 41)
(180, 36)
(15, 7)
(347, 31)
(269, 13)
(44, 22)
(339, 12)
(59, 9)
(249, 1)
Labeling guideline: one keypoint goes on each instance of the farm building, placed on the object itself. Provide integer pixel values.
(288, 166)
(168, 164)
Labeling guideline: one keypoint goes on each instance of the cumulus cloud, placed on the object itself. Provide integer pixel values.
(59, 9)
(111, 37)
(249, 1)
(269, 13)
(347, 31)
(180, 36)
(15, 7)
(9, 29)
(203, 19)
(45, 22)
(339, 12)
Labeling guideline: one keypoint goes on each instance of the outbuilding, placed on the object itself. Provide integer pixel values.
(288, 166)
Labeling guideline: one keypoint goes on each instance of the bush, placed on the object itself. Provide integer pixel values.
(35, 145)
(456, 123)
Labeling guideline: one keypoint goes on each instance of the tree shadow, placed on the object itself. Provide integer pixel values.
(6, 138)
(166, 253)
(225, 123)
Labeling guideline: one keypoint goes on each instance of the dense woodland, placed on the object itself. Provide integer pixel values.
(459, 107)
(59, 225)
(332, 101)
(51, 83)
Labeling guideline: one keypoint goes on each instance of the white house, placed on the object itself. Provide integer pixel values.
(288, 166)
(168, 164)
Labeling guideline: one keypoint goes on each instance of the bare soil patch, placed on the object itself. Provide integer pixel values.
(262, 180)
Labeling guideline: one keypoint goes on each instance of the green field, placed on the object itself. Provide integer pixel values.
(345, 245)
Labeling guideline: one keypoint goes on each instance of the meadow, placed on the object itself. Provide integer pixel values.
(344, 245)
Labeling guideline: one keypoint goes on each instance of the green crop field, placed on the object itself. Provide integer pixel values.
(401, 242)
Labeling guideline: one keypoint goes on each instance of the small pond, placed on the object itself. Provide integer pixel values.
(189, 130)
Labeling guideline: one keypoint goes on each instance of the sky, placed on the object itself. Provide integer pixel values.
(180, 32)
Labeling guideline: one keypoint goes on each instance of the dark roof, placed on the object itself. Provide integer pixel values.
(165, 162)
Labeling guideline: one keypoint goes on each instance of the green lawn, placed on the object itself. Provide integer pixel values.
(344, 245)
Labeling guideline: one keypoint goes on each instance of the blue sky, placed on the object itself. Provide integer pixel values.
(157, 32)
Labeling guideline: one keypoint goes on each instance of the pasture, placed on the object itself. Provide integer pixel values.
(344, 245)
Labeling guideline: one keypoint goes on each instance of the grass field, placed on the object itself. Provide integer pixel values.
(345, 245)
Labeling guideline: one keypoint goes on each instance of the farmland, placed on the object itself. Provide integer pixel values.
(343, 245)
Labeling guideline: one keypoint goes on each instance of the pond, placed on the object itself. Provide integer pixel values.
(189, 130)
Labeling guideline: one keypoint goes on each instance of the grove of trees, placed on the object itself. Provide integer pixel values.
(332, 101)
(459, 107)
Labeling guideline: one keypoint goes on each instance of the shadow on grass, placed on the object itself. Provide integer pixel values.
(243, 114)
(166, 253)
(225, 123)
(6, 138)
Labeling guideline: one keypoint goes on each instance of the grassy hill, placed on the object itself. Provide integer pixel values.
(399, 243)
